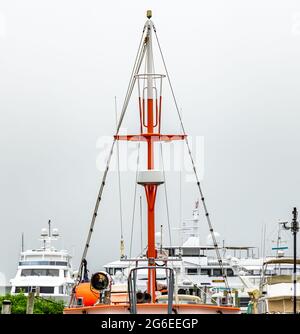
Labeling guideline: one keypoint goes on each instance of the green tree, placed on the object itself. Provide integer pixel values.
(41, 305)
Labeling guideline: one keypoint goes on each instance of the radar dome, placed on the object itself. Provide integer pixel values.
(55, 232)
(209, 240)
(44, 232)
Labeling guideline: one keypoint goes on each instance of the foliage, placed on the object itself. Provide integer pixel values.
(41, 305)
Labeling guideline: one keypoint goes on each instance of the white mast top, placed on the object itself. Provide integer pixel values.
(149, 59)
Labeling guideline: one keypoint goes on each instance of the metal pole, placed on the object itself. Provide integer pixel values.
(295, 272)
(49, 227)
(294, 227)
(294, 230)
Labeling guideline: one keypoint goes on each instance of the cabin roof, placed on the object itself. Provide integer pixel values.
(282, 261)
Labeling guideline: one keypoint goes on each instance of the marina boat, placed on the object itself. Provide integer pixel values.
(151, 284)
(198, 272)
(45, 270)
(276, 291)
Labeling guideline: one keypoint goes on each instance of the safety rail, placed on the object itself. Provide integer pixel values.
(132, 287)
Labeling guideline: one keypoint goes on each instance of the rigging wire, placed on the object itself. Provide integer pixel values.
(166, 195)
(167, 206)
(220, 261)
(136, 67)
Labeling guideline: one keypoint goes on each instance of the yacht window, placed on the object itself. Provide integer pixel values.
(65, 273)
(47, 289)
(171, 251)
(61, 289)
(110, 271)
(230, 272)
(192, 271)
(40, 272)
(190, 252)
(205, 271)
(24, 289)
(118, 269)
(26, 272)
(52, 272)
(217, 272)
(43, 263)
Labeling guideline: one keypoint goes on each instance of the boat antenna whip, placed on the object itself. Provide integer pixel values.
(122, 246)
(220, 261)
(135, 70)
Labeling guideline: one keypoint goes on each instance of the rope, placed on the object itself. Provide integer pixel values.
(194, 169)
(166, 195)
(136, 67)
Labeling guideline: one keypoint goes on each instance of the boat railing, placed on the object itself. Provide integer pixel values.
(132, 292)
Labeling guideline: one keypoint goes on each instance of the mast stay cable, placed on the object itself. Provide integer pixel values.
(220, 261)
(136, 67)
(166, 196)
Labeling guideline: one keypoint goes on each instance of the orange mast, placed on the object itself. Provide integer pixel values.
(150, 117)
(150, 189)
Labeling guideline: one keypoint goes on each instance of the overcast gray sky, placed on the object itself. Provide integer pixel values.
(236, 73)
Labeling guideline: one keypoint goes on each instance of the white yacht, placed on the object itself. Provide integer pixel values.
(45, 270)
(276, 291)
(198, 271)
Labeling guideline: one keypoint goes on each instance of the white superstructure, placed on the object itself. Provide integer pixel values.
(45, 270)
(276, 292)
(198, 271)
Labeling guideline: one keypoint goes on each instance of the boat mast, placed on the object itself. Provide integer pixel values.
(150, 102)
(152, 125)
(150, 189)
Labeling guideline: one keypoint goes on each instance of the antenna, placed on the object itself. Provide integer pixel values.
(264, 242)
(279, 248)
(49, 228)
(22, 242)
